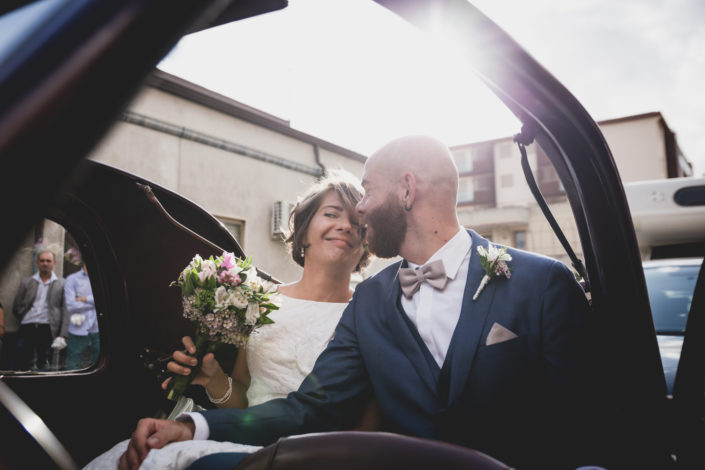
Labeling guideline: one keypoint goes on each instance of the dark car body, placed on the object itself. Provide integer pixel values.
(54, 106)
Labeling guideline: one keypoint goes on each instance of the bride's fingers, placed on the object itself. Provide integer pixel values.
(177, 368)
(208, 360)
(165, 384)
(183, 358)
(188, 344)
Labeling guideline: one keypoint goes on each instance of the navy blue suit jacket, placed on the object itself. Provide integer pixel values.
(493, 398)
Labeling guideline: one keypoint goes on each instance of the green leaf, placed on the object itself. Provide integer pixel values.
(265, 320)
(188, 287)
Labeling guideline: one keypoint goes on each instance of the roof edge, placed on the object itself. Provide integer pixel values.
(190, 91)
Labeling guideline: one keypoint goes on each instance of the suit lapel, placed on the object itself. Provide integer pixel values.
(395, 319)
(468, 332)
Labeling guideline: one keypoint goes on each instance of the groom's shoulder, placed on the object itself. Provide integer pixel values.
(537, 266)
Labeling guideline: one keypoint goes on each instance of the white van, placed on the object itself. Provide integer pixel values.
(669, 220)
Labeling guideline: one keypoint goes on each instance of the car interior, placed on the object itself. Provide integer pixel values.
(54, 75)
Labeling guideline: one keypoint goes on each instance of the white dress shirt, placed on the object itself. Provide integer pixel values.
(39, 312)
(434, 312)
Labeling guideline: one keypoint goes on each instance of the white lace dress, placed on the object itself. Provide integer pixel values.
(279, 356)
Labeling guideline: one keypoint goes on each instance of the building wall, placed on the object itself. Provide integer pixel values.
(638, 148)
(510, 185)
(226, 184)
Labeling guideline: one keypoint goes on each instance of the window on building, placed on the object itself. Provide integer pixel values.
(520, 239)
(235, 226)
(506, 181)
(483, 182)
(506, 149)
(466, 190)
(464, 160)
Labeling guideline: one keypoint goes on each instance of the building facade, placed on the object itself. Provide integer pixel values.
(494, 198)
(242, 165)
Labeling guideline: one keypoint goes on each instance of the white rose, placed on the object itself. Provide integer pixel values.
(221, 298)
(268, 286)
(208, 269)
(251, 274)
(252, 313)
(237, 300)
(195, 262)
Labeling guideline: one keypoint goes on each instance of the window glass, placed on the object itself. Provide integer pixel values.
(464, 160)
(235, 227)
(466, 190)
(51, 322)
(670, 294)
(507, 181)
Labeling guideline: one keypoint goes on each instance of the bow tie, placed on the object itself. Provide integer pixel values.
(434, 273)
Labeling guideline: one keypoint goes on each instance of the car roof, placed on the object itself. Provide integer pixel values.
(669, 211)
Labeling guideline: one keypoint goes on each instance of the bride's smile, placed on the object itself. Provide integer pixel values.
(333, 234)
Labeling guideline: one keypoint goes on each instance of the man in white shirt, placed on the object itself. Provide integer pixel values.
(83, 345)
(447, 354)
(40, 307)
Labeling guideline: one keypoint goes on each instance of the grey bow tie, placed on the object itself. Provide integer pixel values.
(434, 273)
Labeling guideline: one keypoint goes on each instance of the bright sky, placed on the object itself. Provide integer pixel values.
(352, 73)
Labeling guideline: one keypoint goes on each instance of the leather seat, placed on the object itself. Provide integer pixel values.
(349, 450)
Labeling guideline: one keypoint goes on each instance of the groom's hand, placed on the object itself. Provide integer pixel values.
(153, 434)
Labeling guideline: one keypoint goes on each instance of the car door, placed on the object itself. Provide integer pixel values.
(135, 238)
(65, 77)
(630, 371)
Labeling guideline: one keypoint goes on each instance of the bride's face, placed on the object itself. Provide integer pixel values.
(333, 236)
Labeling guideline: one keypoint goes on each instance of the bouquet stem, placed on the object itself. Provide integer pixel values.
(179, 383)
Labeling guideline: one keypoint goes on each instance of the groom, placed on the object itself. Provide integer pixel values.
(499, 374)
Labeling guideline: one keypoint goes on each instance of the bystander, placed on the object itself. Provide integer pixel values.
(83, 338)
(40, 307)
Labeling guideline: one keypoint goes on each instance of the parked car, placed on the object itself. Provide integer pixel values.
(671, 283)
(73, 66)
(669, 219)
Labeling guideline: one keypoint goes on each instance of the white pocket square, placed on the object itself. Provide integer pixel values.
(499, 334)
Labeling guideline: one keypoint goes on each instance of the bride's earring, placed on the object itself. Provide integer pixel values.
(303, 253)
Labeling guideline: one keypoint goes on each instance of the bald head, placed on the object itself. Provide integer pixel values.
(411, 191)
(427, 158)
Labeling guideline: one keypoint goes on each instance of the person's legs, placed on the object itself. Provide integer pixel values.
(93, 347)
(43, 345)
(26, 347)
(75, 349)
(219, 461)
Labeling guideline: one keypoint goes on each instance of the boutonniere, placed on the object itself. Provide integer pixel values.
(494, 261)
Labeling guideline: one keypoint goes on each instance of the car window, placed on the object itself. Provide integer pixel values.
(71, 335)
(670, 290)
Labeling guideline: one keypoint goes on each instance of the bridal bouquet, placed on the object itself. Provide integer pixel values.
(226, 300)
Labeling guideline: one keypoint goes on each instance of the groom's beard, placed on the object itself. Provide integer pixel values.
(388, 229)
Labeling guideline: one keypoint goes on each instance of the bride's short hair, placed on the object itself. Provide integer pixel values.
(350, 192)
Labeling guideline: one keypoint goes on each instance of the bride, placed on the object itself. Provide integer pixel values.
(326, 240)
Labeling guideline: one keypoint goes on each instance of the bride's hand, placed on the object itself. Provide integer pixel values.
(182, 364)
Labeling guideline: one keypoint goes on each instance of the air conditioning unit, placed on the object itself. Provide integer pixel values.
(280, 219)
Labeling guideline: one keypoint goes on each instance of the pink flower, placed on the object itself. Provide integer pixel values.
(229, 260)
(230, 277)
